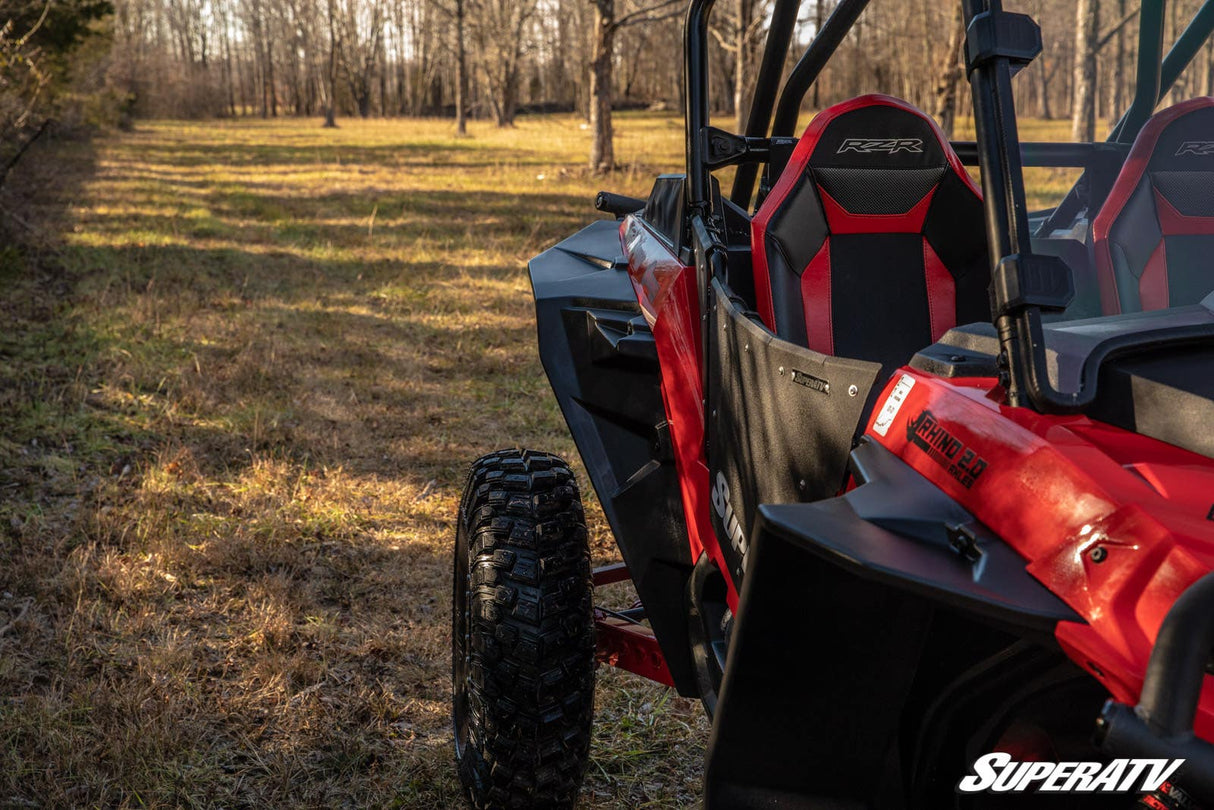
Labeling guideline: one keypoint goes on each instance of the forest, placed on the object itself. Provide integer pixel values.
(497, 59)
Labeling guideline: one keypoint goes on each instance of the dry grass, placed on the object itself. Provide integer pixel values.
(237, 414)
(239, 395)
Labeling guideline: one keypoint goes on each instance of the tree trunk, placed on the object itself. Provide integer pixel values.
(461, 73)
(1046, 112)
(949, 75)
(1083, 113)
(507, 105)
(331, 77)
(741, 64)
(270, 85)
(819, 19)
(1117, 93)
(1210, 71)
(602, 146)
(383, 79)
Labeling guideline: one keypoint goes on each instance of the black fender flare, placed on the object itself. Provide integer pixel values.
(834, 608)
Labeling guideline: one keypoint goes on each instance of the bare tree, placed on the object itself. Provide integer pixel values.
(331, 71)
(949, 74)
(1089, 42)
(362, 30)
(461, 71)
(738, 34)
(457, 12)
(499, 31)
(606, 26)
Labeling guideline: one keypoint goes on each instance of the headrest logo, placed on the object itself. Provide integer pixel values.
(1199, 148)
(888, 146)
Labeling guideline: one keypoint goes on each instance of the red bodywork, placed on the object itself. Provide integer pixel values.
(1115, 524)
(668, 294)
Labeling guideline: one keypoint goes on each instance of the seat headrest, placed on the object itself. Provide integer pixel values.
(1180, 138)
(876, 155)
(875, 132)
(1177, 150)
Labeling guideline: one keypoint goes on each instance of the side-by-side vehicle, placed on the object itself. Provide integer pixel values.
(903, 473)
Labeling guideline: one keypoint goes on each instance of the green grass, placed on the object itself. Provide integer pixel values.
(245, 366)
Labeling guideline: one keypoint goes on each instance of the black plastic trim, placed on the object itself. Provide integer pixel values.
(602, 364)
(839, 599)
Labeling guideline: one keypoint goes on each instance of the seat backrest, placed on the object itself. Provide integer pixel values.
(872, 243)
(1154, 235)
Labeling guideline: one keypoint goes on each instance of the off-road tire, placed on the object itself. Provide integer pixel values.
(522, 634)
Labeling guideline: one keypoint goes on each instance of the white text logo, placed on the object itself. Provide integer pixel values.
(999, 773)
(729, 518)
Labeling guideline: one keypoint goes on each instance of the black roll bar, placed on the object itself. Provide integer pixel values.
(1166, 73)
(695, 77)
(806, 71)
(779, 37)
(1147, 91)
(990, 35)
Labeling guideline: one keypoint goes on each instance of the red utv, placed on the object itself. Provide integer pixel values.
(916, 487)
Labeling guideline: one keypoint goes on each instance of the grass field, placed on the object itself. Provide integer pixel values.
(239, 395)
(243, 368)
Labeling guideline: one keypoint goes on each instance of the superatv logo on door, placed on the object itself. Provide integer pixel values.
(1199, 148)
(999, 773)
(945, 449)
(729, 518)
(889, 146)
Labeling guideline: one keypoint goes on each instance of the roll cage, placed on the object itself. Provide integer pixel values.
(1025, 284)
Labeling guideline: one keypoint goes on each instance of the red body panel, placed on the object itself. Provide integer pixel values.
(669, 297)
(1115, 524)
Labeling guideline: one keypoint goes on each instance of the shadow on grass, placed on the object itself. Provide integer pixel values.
(434, 153)
(227, 480)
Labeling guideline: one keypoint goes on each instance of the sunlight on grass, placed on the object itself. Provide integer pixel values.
(239, 420)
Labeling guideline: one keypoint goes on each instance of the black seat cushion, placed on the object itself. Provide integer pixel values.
(872, 243)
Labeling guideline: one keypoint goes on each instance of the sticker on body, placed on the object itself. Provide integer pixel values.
(893, 404)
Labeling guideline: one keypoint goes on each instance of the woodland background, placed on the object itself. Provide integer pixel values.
(111, 61)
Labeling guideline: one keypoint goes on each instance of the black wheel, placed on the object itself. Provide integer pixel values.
(522, 646)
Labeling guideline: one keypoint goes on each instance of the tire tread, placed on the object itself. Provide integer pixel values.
(531, 627)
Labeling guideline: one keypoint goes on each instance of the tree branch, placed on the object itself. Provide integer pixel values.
(645, 15)
(1112, 32)
(725, 44)
(8, 167)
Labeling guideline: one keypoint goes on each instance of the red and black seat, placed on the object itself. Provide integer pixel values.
(872, 243)
(1154, 236)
